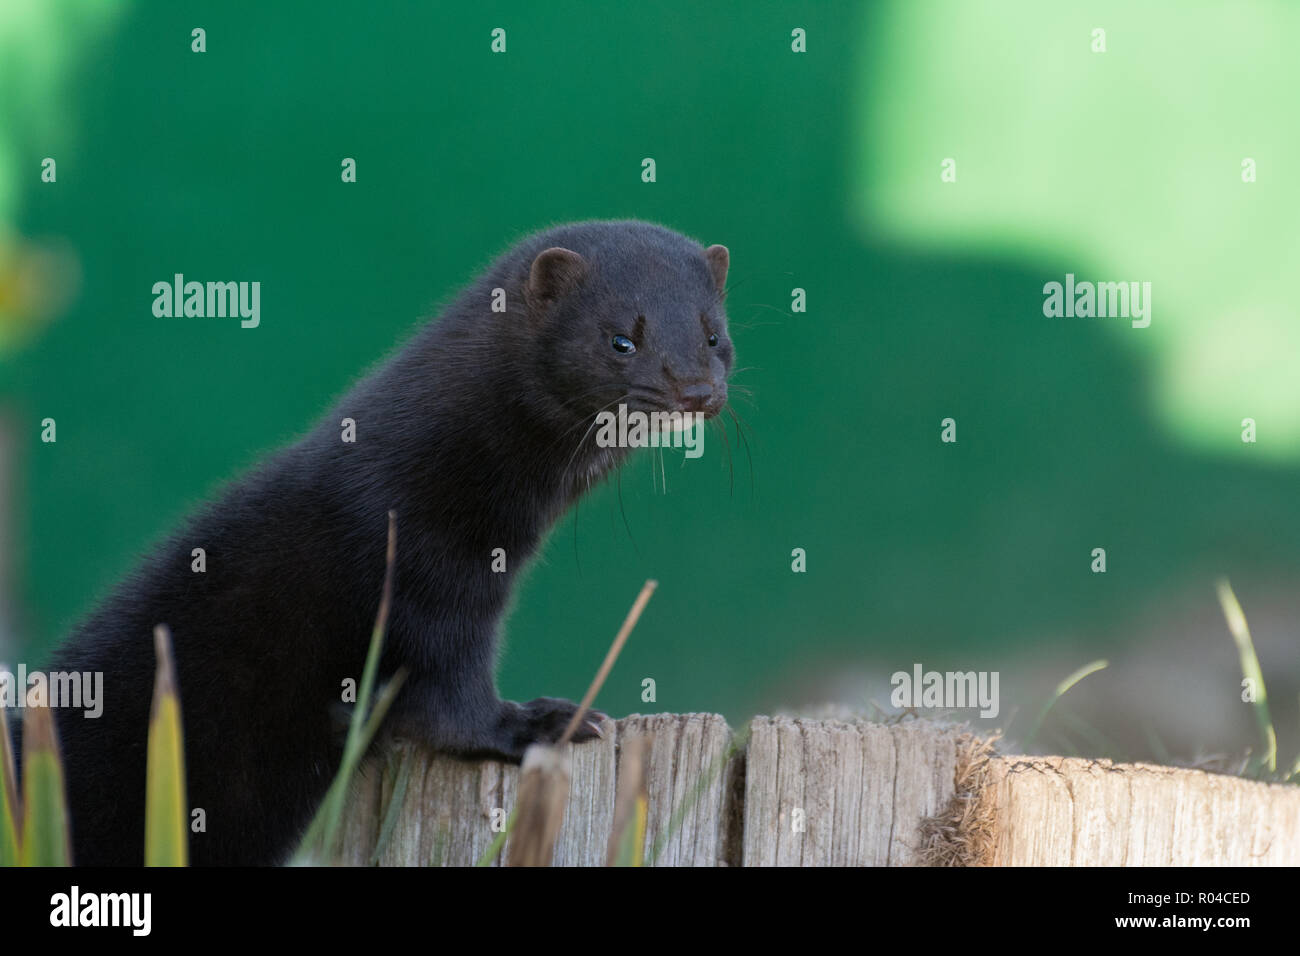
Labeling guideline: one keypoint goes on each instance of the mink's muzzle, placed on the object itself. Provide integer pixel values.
(697, 397)
(705, 398)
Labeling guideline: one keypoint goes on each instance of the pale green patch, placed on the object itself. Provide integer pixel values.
(1123, 165)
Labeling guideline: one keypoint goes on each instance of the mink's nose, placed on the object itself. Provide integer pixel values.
(695, 398)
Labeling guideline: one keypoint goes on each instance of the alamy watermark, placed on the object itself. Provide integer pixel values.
(946, 690)
(1123, 300)
(77, 690)
(208, 300)
(636, 429)
(132, 911)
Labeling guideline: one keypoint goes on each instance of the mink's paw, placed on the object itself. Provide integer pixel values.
(543, 721)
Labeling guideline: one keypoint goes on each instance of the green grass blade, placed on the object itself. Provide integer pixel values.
(1250, 670)
(1293, 775)
(678, 816)
(631, 844)
(1061, 688)
(166, 837)
(45, 814)
(1157, 745)
(395, 801)
(499, 841)
(10, 809)
(336, 800)
(319, 844)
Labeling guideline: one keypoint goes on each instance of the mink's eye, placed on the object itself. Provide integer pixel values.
(713, 340)
(623, 344)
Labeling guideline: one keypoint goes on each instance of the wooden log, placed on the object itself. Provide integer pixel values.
(843, 793)
(691, 780)
(1054, 811)
(801, 792)
(434, 810)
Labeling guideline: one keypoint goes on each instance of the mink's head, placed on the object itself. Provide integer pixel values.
(633, 314)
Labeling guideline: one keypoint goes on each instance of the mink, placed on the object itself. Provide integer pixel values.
(477, 434)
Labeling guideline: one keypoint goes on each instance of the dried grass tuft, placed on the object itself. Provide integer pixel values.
(963, 833)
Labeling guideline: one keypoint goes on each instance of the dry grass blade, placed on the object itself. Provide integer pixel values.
(631, 804)
(963, 833)
(544, 779)
(614, 649)
(543, 792)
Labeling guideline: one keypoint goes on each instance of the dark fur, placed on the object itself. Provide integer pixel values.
(469, 434)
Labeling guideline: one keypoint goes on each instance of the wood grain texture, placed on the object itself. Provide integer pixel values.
(435, 810)
(842, 793)
(803, 792)
(1058, 811)
(627, 838)
(693, 804)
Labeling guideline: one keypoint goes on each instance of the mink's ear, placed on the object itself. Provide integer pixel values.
(719, 259)
(555, 272)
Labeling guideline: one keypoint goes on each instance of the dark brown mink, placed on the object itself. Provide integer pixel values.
(476, 433)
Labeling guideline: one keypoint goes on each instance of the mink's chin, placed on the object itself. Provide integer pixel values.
(684, 418)
(711, 410)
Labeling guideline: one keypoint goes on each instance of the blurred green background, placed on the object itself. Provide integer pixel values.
(820, 170)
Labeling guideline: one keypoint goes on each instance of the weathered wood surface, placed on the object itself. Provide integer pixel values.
(419, 809)
(801, 792)
(1056, 811)
(862, 790)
